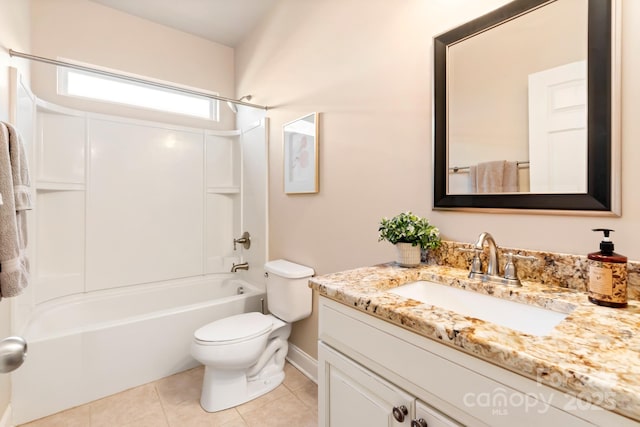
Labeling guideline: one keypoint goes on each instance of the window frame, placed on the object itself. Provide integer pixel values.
(159, 86)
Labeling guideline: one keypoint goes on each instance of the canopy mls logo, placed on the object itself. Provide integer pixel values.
(502, 401)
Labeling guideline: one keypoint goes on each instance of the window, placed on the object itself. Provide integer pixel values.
(85, 84)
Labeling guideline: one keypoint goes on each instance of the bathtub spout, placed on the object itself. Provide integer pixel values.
(241, 266)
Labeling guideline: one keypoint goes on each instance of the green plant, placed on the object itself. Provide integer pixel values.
(409, 228)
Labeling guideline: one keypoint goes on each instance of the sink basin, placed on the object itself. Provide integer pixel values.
(521, 317)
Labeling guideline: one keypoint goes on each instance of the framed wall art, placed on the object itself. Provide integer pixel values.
(300, 138)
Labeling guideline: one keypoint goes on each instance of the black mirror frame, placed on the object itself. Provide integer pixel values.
(600, 124)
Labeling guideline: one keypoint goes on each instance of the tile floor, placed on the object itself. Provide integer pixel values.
(174, 402)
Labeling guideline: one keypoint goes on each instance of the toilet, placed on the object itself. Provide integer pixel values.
(244, 354)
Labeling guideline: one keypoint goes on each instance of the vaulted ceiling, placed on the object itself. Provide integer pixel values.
(222, 21)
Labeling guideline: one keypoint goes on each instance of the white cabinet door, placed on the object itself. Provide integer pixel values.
(426, 416)
(350, 395)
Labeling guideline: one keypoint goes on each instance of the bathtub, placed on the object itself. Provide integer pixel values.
(85, 347)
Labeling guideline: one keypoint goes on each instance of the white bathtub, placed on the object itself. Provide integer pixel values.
(88, 346)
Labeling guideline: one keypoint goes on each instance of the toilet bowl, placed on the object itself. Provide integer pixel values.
(234, 342)
(244, 355)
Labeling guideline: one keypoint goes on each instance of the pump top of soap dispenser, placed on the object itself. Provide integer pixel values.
(606, 245)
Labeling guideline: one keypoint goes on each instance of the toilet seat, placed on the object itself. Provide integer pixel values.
(233, 329)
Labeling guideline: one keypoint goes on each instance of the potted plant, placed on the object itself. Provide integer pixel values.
(409, 233)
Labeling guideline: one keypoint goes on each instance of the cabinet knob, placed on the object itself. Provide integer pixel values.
(399, 412)
(419, 423)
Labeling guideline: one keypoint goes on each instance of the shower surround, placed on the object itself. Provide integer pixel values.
(131, 244)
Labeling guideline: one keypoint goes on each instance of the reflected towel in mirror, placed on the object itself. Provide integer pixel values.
(498, 176)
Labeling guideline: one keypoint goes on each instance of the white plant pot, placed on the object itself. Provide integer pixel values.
(408, 255)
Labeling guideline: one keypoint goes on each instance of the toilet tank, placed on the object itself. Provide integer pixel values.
(288, 292)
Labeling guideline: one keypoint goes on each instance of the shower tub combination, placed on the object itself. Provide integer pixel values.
(85, 347)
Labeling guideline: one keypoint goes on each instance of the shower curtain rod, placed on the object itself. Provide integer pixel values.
(132, 79)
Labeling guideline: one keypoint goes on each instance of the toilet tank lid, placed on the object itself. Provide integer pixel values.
(288, 269)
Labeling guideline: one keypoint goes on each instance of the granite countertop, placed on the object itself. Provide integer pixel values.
(594, 353)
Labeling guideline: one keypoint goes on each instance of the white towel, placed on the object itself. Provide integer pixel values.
(494, 177)
(510, 178)
(14, 186)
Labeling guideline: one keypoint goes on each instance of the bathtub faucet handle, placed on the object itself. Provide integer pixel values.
(244, 240)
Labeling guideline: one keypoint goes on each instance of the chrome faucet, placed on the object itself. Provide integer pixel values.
(492, 265)
(241, 266)
(493, 274)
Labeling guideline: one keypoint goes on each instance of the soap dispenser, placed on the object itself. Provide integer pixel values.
(607, 274)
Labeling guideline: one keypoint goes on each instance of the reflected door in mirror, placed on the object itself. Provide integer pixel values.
(558, 129)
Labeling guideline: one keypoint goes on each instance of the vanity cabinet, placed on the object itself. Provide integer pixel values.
(356, 396)
(430, 417)
(370, 369)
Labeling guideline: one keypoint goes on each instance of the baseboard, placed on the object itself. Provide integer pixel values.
(301, 360)
(5, 421)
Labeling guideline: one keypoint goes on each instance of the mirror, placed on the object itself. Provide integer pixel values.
(525, 105)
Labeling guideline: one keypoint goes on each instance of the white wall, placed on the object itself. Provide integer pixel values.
(366, 65)
(254, 190)
(85, 31)
(14, 34)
